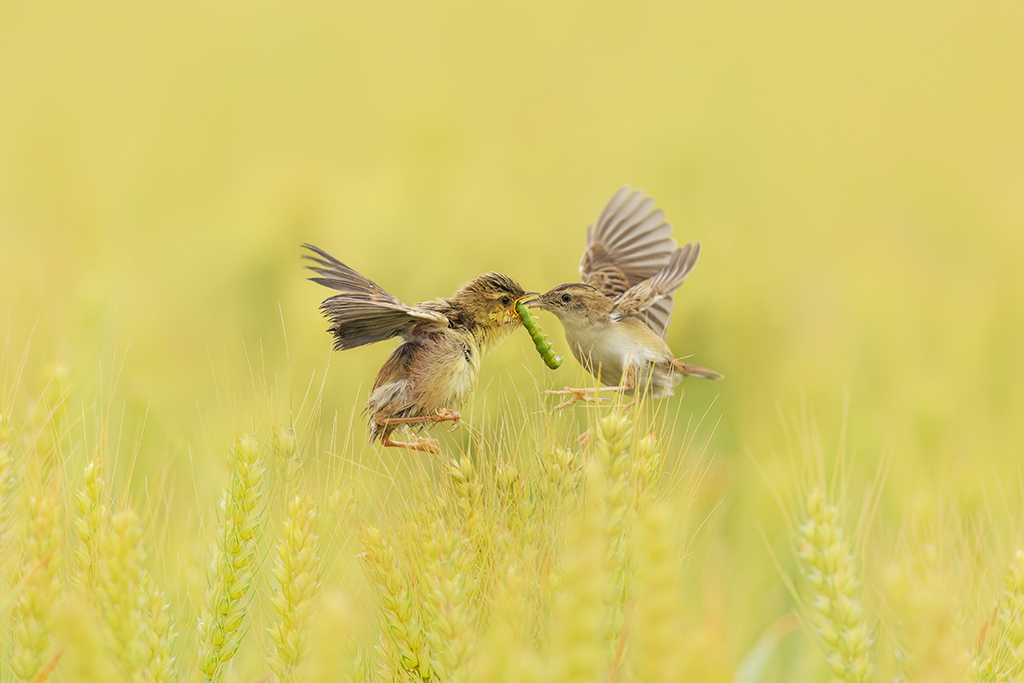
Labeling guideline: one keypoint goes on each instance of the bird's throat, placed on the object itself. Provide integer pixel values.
(487, 338)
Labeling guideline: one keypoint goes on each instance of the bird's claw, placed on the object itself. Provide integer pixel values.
(587, 395)
(445, 414)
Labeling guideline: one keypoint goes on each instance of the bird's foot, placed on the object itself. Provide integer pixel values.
(587, 395)
(441, 415)
(415, 443)
(444, 415)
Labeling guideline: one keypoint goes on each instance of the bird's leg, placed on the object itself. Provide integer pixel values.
(416, 443)
(584, 438)
(587, 394)
(442, 415)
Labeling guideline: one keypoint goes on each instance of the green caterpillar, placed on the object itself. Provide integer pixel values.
(540, 340)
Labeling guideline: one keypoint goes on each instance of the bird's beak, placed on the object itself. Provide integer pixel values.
(526, 298)
(535, 301)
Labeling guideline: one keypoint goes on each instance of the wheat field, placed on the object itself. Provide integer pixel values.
(186, 488)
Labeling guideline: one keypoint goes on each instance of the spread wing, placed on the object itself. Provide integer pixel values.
(630, 243)
(339, 277)
(363, 312)
(645, 295)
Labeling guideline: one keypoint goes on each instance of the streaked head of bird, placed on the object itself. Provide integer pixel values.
(575, 304)
(488, 304)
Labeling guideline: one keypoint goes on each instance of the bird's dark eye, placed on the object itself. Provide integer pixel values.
(567, 297)
(505, 301)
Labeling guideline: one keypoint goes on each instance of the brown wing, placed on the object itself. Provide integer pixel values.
(363, 313)
(643, 296)
(339, 277)
(630, 243)
(355, 322)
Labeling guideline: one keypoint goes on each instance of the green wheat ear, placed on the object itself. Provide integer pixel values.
(540, 340)
(835, 612)
(33, 645)
(120, 592)
(234, 562)
(296, 571)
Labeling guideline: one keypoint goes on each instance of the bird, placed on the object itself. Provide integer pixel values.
(616, 318)
(435, 368)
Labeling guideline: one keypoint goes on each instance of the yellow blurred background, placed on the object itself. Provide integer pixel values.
(854, 172)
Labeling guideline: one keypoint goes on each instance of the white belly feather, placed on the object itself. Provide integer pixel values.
(609, 354)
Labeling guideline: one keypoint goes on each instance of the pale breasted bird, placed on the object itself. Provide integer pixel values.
(615, 320)
(435, 368)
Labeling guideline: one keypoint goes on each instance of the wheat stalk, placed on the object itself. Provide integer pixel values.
(655, 633)
(90, 525)
(158, 633)
(296, 571)
(234, 561)
(122, 601)
(835, 611)
(578, 646)
(403, 633)
(33, 643)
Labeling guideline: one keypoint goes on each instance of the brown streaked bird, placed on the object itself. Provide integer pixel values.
(616, 318)
(435, 368)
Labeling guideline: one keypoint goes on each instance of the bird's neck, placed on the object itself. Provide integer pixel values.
(488, 337)
(582, 332)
